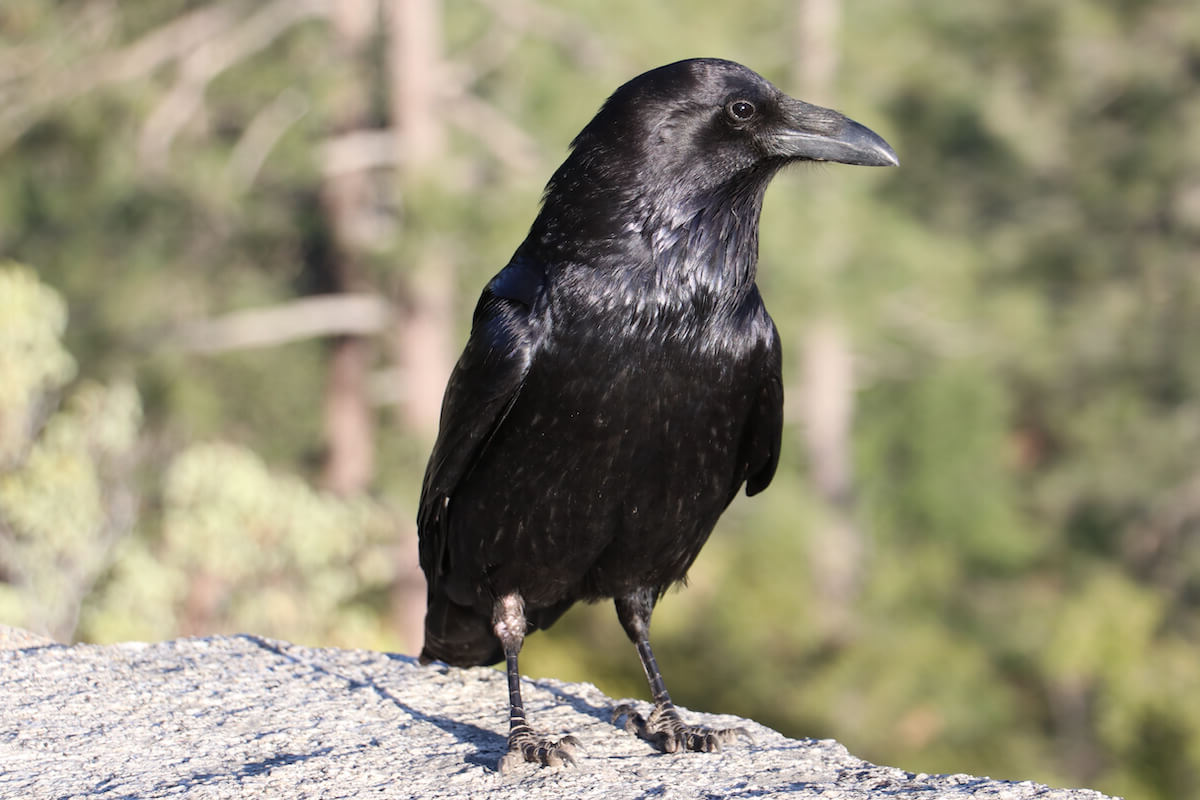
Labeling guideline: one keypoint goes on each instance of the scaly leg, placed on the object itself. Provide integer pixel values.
(524, 744)
(663, 728)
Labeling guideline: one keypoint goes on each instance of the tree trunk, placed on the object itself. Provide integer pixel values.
(422, 340)
(349, 422)
(827, 394)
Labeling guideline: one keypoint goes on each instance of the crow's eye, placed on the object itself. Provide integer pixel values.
(740, 110)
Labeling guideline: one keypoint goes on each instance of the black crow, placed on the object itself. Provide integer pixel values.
(621, 381)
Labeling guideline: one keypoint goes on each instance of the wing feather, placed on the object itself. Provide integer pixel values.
(482, 389)
(763, 434)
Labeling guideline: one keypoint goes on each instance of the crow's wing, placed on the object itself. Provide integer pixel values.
(763, 433)
(482, 389)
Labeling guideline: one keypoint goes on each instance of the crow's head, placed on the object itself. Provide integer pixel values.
(695, 137)
(708, 120)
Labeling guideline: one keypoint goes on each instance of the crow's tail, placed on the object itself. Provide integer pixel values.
(458, 635)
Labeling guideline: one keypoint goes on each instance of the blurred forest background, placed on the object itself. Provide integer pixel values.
(240, 244)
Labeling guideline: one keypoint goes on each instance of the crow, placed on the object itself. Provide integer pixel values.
(621, 381)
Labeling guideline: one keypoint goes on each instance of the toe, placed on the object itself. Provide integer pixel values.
(730, 735)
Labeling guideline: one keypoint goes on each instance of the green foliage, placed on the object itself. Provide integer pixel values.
(33, 364)
(242, 548)
(64, 499)
(235, 547)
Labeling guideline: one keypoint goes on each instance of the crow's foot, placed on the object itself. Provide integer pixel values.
(525, 744)
(666, 731)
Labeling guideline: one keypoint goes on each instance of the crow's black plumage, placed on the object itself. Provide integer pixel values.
(622, 380)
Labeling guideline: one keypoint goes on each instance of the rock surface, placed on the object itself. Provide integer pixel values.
(243, 716)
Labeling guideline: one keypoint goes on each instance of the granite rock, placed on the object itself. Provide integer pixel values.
(244, 716)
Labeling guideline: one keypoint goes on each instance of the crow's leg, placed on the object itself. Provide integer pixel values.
(663, 728)
(524, 744)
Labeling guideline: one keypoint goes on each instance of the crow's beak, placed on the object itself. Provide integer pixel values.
(812, 133)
